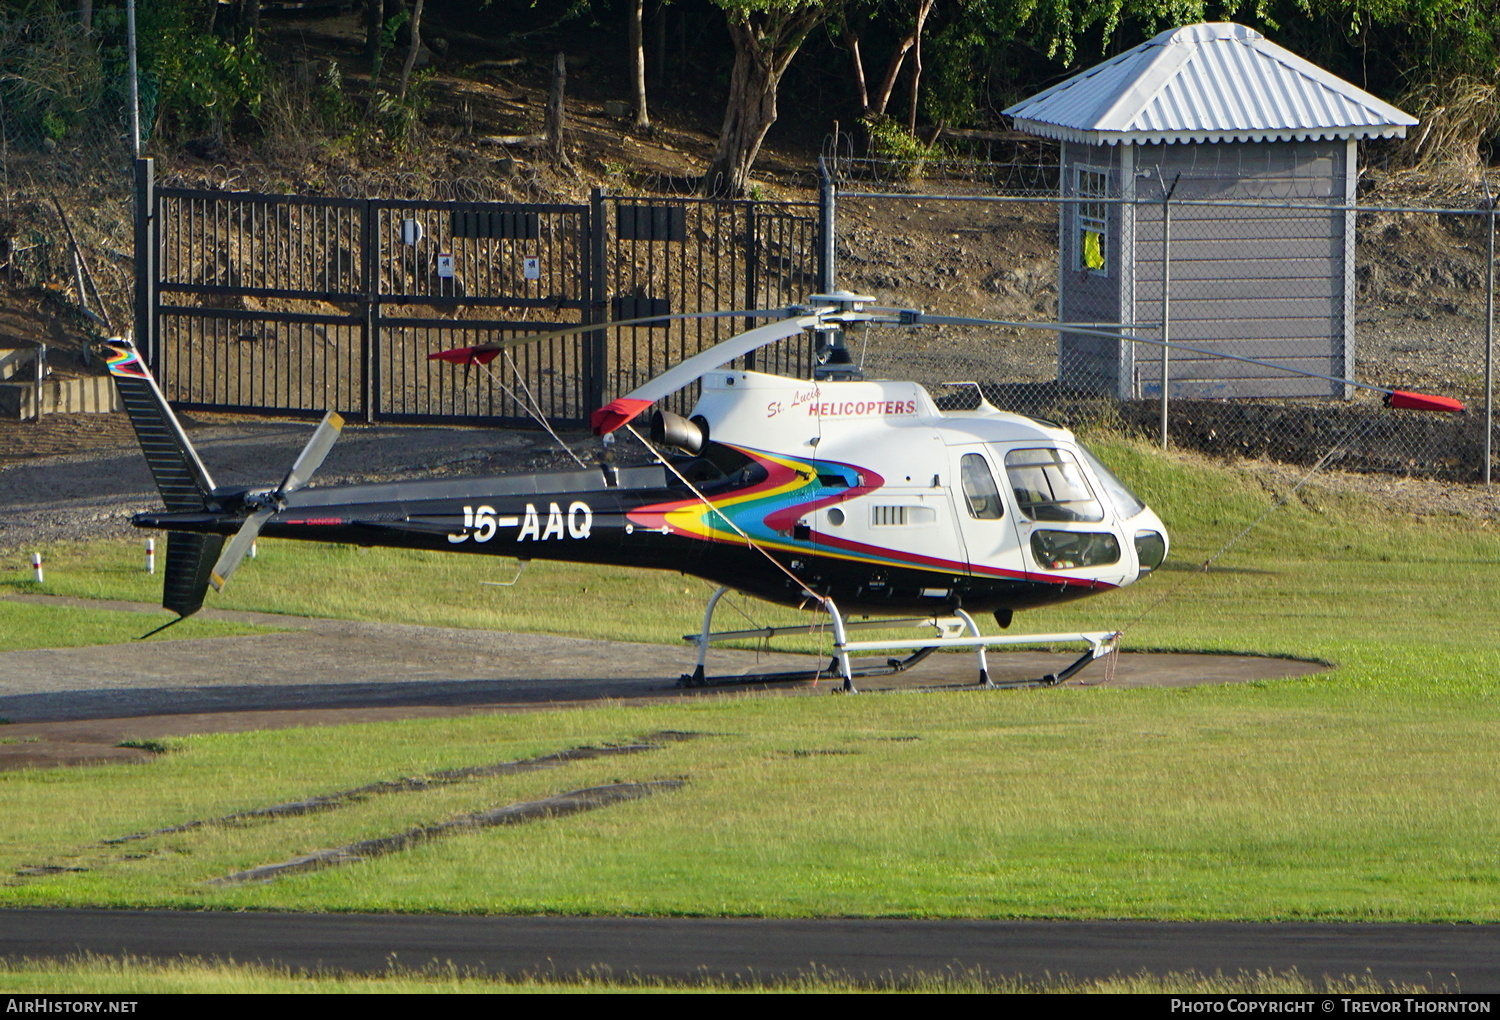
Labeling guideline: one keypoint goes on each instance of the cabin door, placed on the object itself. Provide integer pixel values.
(986, 517)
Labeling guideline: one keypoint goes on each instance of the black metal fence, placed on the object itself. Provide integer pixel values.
(295, 304)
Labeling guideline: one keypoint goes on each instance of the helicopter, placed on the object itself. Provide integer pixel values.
(860, 498)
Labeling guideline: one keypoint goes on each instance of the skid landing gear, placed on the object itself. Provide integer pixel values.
(956, 631)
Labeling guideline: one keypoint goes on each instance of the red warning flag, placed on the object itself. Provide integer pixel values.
(1422, 402)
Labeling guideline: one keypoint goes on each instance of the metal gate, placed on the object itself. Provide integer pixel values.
(293, 304)
(697, 255)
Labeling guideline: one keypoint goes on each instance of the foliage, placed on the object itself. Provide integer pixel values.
(385, 41)
(1455, 118)
(51, 77)
(204, 82)
(56, 76)
(1429, 53)
(892, 143)
(399, 117)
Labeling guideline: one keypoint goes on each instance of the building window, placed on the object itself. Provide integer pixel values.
(1093, 221)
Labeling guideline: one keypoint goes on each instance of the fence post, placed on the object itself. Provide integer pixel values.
(1166, 303)
(827, 252)
(596, 364)
(752, 271)
(369, 285)
(41, 377)
(145, 263)
(1489, 347)
(135, 88)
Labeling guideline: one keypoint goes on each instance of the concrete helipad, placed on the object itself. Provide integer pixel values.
(73, 705)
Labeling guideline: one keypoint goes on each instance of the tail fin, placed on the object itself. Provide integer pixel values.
(183, 480)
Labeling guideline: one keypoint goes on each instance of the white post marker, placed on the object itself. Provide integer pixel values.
(36, 566)
(254, 548)
(150, 555)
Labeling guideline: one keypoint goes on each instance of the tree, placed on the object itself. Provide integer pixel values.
(412, 50)
(909, 42)
(766, 36)
(636, 43)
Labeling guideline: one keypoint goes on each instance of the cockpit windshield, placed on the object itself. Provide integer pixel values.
(1126, 503)
(1049, 486)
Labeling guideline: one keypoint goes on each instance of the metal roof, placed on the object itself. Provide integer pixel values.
(1214, 82)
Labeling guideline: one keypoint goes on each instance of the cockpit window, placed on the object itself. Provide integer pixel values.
(1050, 486)
(1126, 503)
(979, 488)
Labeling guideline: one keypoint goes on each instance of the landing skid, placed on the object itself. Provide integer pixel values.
(956, 631)
(829, 672)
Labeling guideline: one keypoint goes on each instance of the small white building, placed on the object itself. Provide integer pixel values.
(1225, 115)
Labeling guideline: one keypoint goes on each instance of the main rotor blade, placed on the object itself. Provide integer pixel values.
(238, 547)
(483, 354)
(621, 410)
(311, 457)
(1394, 397)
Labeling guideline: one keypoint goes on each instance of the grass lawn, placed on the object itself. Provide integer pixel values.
(1365, 793)
(120, 977)
(24, 625)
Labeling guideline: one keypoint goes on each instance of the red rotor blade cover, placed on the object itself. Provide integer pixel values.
(616, 413)
(1422, 402)
(466, 355)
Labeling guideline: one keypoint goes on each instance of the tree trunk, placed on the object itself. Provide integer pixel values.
(86, 14)
(892, 70)
(411, 52)
(554, 121)
(374, 23)
(761, 56)
(916, 71)
(638, 67)
(851, 40)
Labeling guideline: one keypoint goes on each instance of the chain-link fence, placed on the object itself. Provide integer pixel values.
(1243, 256)
(1282, 268)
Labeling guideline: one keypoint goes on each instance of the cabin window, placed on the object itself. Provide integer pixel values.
(980, 491)
(1150, 550)
(1092, 219)
(1066, 550)
(1126, 503)
(1049, 486)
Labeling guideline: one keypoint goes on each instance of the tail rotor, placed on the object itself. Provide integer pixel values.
(265, 505)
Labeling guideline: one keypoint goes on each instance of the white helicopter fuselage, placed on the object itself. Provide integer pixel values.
(980, 492)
